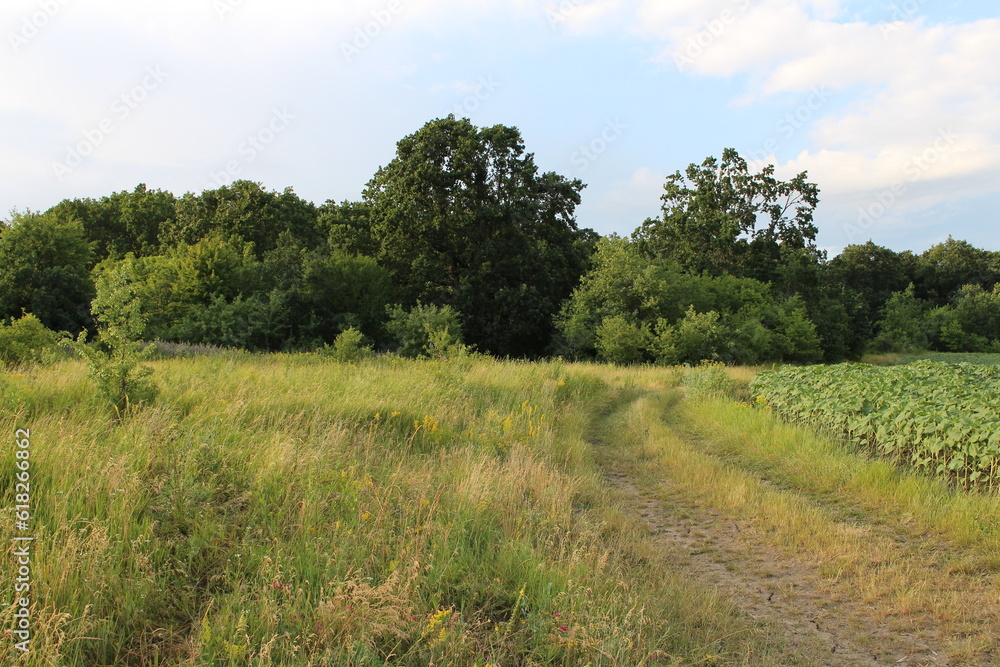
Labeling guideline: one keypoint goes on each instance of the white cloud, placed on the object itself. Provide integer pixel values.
(900, 87)
(894, 87)
(643, 182)
(581, 16)
(633, 200)
(941, 80)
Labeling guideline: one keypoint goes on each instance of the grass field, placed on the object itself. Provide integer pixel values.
(286, 510)
(290, 511)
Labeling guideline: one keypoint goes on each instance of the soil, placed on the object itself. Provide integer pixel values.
(816, 617)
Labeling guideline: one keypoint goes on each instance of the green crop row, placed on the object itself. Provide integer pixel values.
(942, 418)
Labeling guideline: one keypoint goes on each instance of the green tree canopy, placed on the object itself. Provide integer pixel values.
(627, 296)
(245, 212)
(870, 274)
(720, 218)
(904, 327)
(348, 227)
(946, 267)
(462, 217)
(339, 291)
(123, 222)
(44, 270)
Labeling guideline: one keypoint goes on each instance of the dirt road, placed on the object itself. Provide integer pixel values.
(816, 619)
(818, 613)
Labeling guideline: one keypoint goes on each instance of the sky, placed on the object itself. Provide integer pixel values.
(892, 108)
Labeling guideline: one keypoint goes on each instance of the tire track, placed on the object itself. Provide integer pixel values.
(815, 618)
(822, 620)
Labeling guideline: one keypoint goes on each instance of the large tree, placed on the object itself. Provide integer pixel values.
(123, 222)
(463, 217)
(946, 267)
(721, 218)
(245, 212)
(44, 270)
(869, 274)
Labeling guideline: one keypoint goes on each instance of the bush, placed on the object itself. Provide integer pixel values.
(243, 323)
(114, 360)
(978, 312)
(697, 337)
(339, 291)
(620, 341)
(709, 379)
(26, 341)
(576, 338)
(904, 326)
(800, 341)
(348, 346)
(752, 342)
(44, 270)
(426, 331)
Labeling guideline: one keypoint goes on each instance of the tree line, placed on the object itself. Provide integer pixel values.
(461, 239)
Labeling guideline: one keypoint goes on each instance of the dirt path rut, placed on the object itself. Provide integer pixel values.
(822, 623)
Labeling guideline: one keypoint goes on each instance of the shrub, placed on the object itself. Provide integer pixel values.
(801, 342)
(348, 346)
(751, 342)
(114, 360)
(426, 330)
(951, 335)
(26, 341)
(576, 338)
(904, 326)
(44, 270)
(169, 350)
(243, 323)
(709, 379)
(620, 341)
(978, 311)
(696, 337)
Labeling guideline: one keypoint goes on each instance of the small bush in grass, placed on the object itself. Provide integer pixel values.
(426, 331)
(27, 341)
(114, 360)
(709, 379)
(348, 346)
(620, 341)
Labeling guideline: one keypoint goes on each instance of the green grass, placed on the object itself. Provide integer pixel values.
(982, 358)
(913, 547)
(286, 510)
(793, 457)
(290, 510)
(914, 552)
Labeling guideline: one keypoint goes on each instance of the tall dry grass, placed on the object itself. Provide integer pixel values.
(287, 510)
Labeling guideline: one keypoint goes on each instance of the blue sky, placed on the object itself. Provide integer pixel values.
(893, 108)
